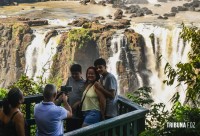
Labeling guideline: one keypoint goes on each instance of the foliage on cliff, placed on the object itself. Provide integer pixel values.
(79, 36)
(19, 29)
(3, 93)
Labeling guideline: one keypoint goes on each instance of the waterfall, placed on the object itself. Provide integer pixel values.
(165, 42)
(39, 55)
(123, 64)
(116, 44)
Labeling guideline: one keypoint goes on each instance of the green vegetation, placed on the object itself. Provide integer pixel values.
(3, 93)
(79, 36)
(17, 29)
(27, 85)
(189, 112)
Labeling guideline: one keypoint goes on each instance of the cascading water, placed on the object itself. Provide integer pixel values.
(116, 44)
(39, 55)
(120, 55)
(165, 42)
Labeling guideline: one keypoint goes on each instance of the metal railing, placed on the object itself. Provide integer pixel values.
(129, 122)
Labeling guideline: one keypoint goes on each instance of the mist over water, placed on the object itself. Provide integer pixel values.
(167, 42)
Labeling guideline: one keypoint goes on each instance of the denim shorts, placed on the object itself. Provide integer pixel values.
(91, 117)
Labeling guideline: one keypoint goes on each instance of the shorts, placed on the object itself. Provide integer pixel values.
(91, 117)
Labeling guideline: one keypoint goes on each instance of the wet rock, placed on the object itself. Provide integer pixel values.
(148, 12)
(124, 21)
(157, 5)
(49, 35)
(99, 18)
(133, 15)
(23, 19)
(140, 13)
(115, 25)
(36, 22)
(109, 16)
(134, 8)
(103, 3)
(174, 9)
(181, 8)
(93, 2)
(162, 17)
(118, 14)
(191, 8)
(136, 2)
(79, 22)
(170, 14)
(99, 27)
(162, 0)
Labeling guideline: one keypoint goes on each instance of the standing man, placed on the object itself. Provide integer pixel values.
(48, 116)
(108, 86)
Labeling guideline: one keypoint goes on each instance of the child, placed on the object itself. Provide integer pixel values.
(77, 83)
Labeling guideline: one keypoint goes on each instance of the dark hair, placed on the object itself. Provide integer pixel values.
(76, 68)
(49, 91)
(12, 99)
(100, 61)
(96, 73)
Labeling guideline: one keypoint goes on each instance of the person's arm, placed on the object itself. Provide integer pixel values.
(67, 106)
(58, 101)
(19, 124)
(107, 93)
(76, 104)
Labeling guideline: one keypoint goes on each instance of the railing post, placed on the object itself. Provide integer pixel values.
(28, 116)
(140, 125)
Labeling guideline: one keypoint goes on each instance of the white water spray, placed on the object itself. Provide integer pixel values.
(39, 56)
(152, 1)
(171, 47)
(116, 44)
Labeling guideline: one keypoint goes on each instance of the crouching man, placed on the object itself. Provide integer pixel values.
(48, 116)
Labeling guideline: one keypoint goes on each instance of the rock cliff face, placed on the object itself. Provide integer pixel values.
(14, 38)
(81, 46)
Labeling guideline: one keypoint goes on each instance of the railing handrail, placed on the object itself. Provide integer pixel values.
(30, 98)
(134, 114)
(109, 123)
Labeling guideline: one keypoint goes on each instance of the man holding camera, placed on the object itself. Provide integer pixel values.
(48, 116)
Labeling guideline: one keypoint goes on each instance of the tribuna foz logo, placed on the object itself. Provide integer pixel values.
(180, 124)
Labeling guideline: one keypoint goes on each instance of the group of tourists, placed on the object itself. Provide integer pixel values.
(94, 97)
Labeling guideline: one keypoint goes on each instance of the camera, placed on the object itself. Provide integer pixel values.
(66, 89)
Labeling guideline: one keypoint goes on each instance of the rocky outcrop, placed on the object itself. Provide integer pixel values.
(14, 39)
(36, 22)
(79, 22)
(49, 35)
(118, 14)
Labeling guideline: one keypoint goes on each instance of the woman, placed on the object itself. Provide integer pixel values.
(93, 101)
(11, 118)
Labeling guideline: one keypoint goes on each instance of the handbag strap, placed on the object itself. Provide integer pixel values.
(86, 93)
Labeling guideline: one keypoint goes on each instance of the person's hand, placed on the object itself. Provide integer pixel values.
(60, 97)
(97, 85)
(64, 97)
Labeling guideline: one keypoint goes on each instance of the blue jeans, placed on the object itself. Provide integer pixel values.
(91, 117)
